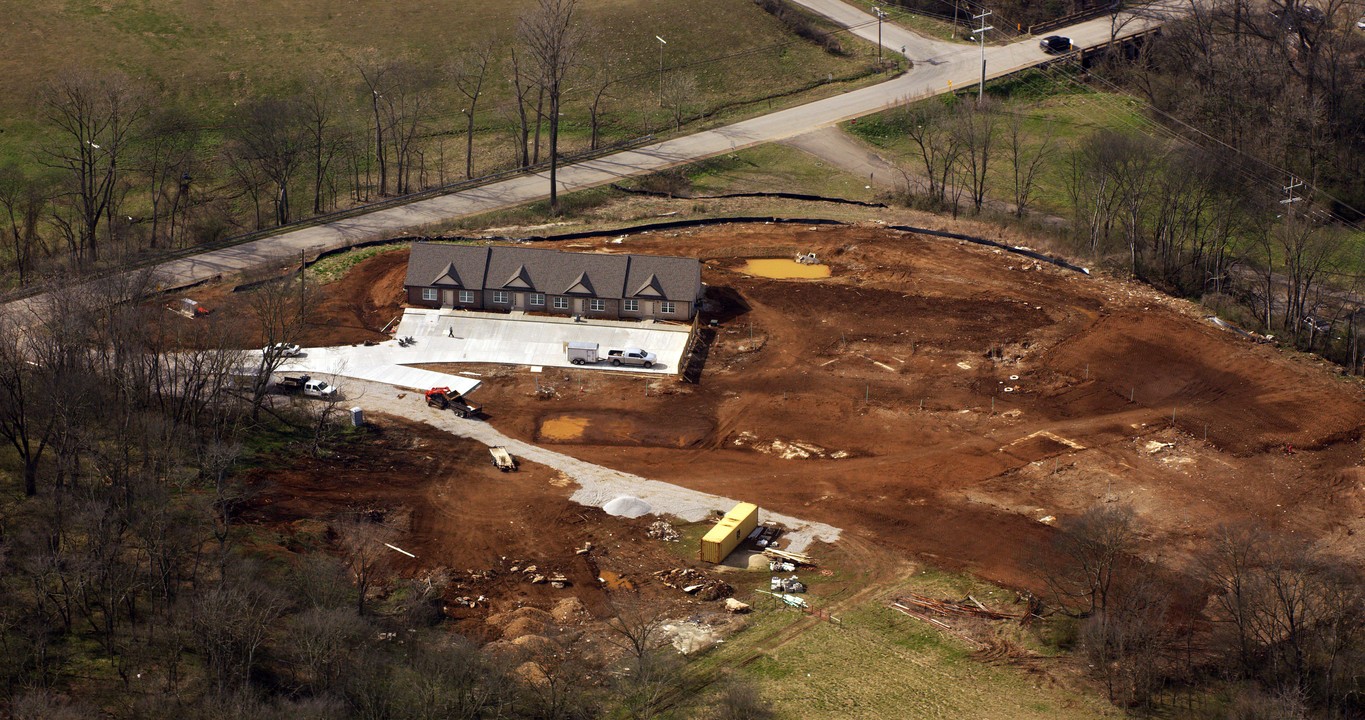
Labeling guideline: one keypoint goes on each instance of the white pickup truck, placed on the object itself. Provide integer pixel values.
(307, 386)
(631, 356)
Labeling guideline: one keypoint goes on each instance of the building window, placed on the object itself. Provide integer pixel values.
(466, 296)
(500, 297)
(596, 305)
(428, 293)
(561, 303)
(668, 308)
(538, 299)
(632, 306)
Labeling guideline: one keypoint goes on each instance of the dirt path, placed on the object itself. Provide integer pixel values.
(597, 484)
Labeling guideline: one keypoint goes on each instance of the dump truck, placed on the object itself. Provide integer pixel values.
(291, 385)
(582, 353)
(445, 398)
(721, 540)
(631, 356)
(502, 459)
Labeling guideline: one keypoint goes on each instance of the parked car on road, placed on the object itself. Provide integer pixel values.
(1053, 44)
(631, 356)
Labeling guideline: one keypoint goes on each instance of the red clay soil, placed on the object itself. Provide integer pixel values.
(933, 398)
(452, 509)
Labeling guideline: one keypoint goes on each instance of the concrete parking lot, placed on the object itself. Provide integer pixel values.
(463, 336)
(447, 336)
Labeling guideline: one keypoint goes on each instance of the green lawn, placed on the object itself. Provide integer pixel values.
(879, 663)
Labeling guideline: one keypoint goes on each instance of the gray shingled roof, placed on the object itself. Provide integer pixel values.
(678, 278)
(554, 272)
(429, 262)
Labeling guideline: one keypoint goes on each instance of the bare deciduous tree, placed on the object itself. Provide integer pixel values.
(23, 199)
(469, 72)
(975, 128)
(1025, 162)
(1096, 545)
(552, 41)
(679, 92)
(936, 144)
(363, 546)
(95, 115)
(271, 136)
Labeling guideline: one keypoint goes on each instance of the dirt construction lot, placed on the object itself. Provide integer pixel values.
(943, 401)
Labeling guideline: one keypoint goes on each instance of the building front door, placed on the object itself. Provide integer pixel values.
(447, 299)
(518, 301)
(578, 306)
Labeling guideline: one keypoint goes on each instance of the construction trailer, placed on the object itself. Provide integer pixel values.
(722, 539)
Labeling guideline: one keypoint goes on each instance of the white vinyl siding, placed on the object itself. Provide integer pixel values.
(428, 293)
(466, 296)
(502, 297)
(632, 306)
(668, 308)
(596, 305)
(538, 299)
(561, 303)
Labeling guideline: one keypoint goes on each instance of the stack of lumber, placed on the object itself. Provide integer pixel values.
(798, 558)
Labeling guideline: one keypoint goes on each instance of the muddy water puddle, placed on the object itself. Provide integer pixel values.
(614, 580)
(783, 269)
(624, 428)
(563, 427)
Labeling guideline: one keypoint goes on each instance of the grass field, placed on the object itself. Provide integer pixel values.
(877, 663)
(214, 55)
(774, 168)
(1050, 105)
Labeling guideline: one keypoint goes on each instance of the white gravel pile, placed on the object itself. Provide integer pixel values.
(627, 506)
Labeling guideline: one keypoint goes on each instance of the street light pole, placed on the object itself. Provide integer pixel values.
(662, 43)
(981, 39)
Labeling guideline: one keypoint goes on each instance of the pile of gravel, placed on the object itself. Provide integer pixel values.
(628, 506)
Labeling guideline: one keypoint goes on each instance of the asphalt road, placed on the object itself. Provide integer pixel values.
(938, 67)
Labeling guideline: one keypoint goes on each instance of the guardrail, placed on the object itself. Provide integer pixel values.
(1075, 17)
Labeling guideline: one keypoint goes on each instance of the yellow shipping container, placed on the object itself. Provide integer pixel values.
(732, 529)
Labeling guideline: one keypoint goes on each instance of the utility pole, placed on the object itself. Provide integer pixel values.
(981, 39)
(662, 43)
(881, 15)
(1289, 199)
(1288, 202)
(303, 281)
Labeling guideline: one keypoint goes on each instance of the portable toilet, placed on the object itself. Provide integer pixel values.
(722, 539)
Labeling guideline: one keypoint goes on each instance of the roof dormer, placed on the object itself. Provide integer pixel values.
(448, 277)
(581, 286)
(520, 279)
(651, 287)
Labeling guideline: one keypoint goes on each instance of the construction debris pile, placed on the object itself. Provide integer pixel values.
(660, 530)
(695, 582)
(532, 573)
(913, 604)
(925, 608)
(764, 536)
(786, 585)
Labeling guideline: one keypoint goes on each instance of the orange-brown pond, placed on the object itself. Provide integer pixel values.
(783, 269)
